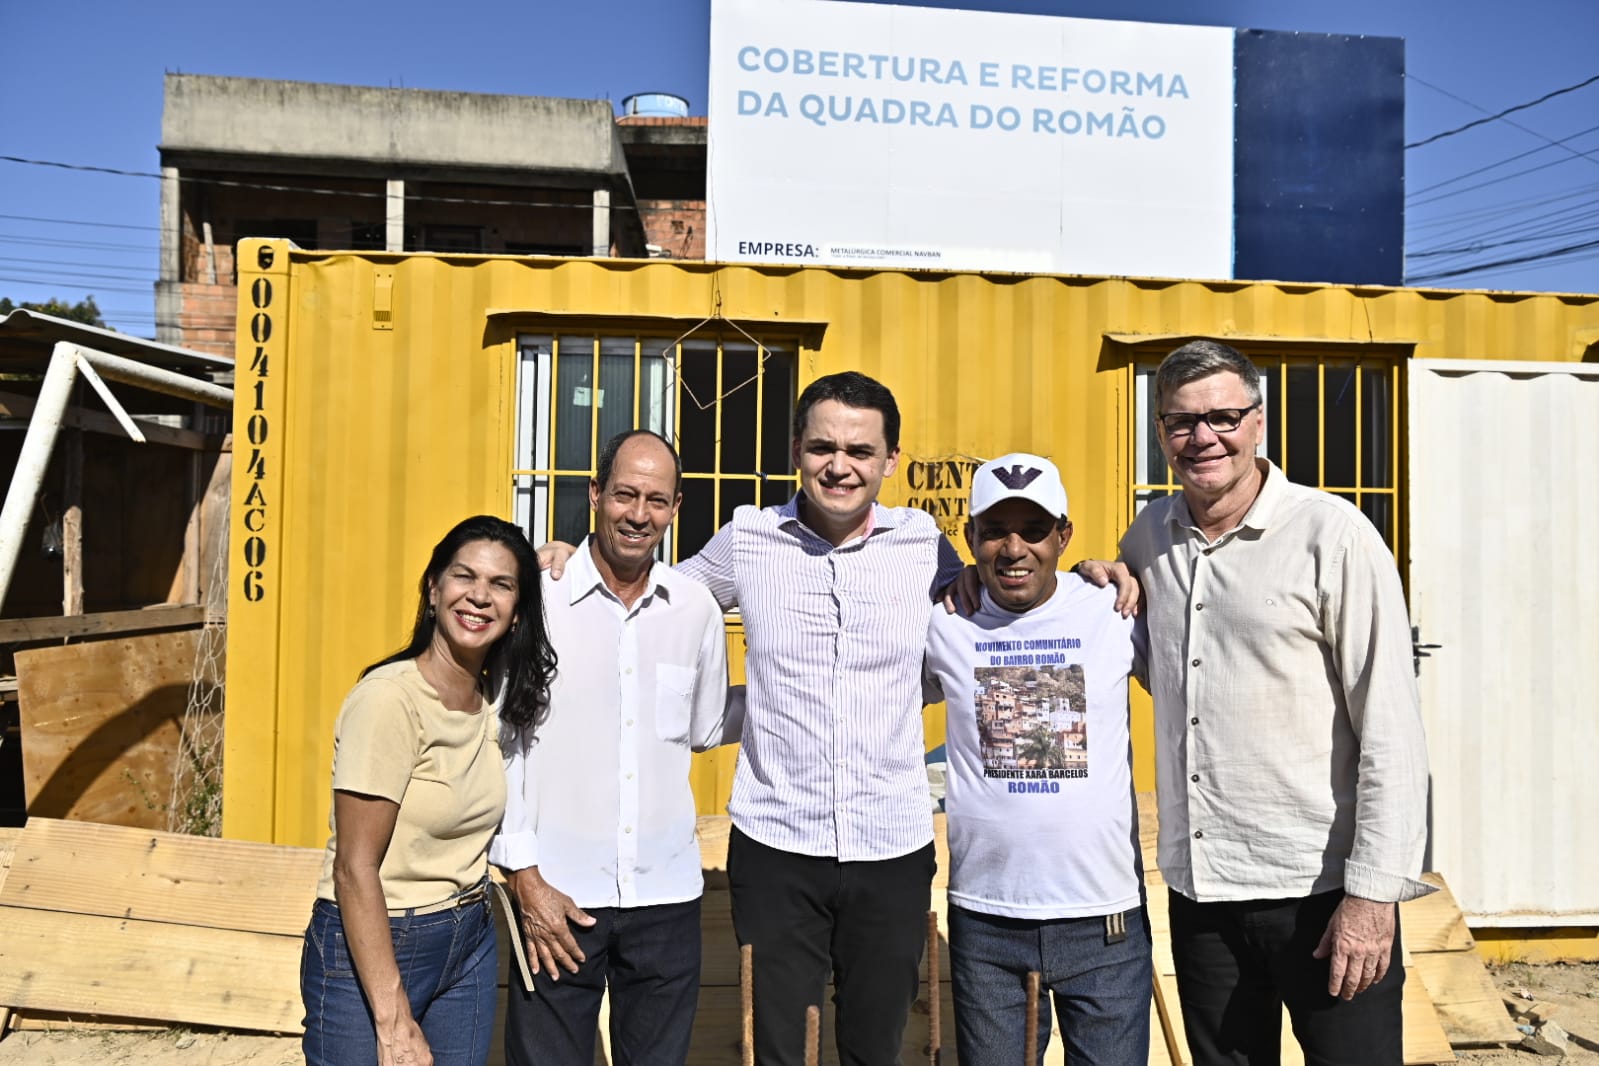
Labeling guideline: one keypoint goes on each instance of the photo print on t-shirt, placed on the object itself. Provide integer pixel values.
(1032, 721)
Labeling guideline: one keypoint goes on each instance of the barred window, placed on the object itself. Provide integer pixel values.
(1330, 423)
(725, 402)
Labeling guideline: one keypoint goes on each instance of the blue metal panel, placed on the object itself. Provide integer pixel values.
(1319, 158)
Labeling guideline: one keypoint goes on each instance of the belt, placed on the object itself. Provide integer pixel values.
(476, 894)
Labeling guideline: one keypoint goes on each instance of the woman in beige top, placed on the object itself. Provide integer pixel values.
(399, 964)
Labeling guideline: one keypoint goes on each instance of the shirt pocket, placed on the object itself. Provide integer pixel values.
(674, 701)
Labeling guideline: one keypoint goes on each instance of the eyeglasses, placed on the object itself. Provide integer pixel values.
(1221, 420)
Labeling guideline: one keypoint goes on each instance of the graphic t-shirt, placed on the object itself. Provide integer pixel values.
(1040, 795)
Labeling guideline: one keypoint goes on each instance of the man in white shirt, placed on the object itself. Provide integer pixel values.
(1290, 761)
(1042, 825)
(599, 822)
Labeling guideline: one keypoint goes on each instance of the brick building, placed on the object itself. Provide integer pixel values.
(373, 169)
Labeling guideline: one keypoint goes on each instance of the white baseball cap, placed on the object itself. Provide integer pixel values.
(1019, 476)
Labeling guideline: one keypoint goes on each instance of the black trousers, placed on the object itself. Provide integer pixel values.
(649, 958)
(1240, 963)
(865, 923)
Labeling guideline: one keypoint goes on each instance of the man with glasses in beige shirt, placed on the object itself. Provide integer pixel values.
(1290, 761)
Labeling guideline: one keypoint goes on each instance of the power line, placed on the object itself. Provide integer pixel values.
(83, 274)
(144, 290)
(71, 263)
(1509, 159)
(1478, 107)
(1483, 246)
(61, 242)
(1501, 114)
(1480, 267)
(360, 194)
(77, 222)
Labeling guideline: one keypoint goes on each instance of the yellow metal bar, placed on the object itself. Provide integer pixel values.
(677, 434)
(1282, 405)
(716, 451)
(760, 415)
(555, 417)
(638, 379)
(1360, 434)
(1321, 425)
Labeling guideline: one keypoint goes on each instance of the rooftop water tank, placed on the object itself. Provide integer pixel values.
(656, 105)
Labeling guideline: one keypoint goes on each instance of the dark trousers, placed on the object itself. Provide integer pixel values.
(650, 958)
(1240, 963)
(865, 923)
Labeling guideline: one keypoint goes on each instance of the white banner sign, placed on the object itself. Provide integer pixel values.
(873, 135)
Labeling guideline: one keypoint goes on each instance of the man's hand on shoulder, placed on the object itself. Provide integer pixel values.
(1360, 941)
(553, 556)
(1103, 572)
(546, 916)
(965, 594)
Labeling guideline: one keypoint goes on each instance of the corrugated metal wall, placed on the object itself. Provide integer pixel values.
(1504, 475)
(387, 408)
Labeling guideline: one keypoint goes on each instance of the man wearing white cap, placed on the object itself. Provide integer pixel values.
(1044, 868)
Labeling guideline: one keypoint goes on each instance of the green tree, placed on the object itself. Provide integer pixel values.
(83, 311)
(1039, 748)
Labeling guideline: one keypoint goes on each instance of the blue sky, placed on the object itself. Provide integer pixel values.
(81, 84)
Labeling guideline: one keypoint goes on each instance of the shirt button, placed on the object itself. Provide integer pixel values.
(1194, 663)
(1191, 777)
(1193, 721)
(1199, 606)
(627, 829)
(630, 776)
(629, 670)
(630, 721)
(1198, 833)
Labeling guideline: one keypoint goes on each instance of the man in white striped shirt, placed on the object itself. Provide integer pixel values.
(830, 858)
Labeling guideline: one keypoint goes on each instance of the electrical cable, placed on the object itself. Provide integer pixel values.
(1497, 115)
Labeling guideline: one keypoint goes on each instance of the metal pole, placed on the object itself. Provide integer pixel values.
(132, 372)
(934, 1036)
(28, 478)
(746, 996)
(1030, 1043)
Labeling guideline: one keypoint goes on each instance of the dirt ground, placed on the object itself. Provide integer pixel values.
(1573, 990)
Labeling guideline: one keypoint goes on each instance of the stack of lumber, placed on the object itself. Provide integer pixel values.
(103, 922)
(131, 926)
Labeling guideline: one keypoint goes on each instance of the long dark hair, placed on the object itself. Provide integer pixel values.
(522, 660)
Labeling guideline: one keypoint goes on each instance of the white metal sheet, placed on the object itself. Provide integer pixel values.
(1504, 506)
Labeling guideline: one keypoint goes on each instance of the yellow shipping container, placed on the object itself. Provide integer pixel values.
(382, 397)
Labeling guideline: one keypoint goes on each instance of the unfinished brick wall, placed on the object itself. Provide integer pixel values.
(677, 226)
(207, 313)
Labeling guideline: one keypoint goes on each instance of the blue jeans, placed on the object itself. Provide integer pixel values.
(448, 964)
(1101, 990)
(649, 957)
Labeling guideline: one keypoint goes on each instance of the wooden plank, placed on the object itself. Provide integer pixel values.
(153, 876)
(1468, 1004)
(1426, 1044)
(1171, 1018)
(8, 846)
(100, 726)
(102, 623)
(13, 405)
(1434, 922)
(151, 971)
(46, 1021)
